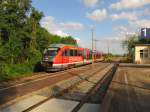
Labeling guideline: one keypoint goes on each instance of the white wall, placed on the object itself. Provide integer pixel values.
(137, 55)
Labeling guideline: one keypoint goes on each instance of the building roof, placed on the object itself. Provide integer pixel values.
(142, 44)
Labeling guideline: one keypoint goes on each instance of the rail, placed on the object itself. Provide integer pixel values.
(95, 88)
(63, 91)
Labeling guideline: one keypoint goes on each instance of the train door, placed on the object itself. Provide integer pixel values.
(65, 58)
(85, 56)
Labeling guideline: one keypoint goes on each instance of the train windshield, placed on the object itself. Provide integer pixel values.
(51, 51)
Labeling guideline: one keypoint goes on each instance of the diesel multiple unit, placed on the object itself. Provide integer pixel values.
(59, 56)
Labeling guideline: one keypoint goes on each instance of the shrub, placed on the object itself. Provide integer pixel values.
(14, 71)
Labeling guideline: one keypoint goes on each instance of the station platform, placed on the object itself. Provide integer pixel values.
(129, 91)
(53, 105)
(134, 65)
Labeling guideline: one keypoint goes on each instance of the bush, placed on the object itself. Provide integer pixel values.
(108, 57)
(14, 71)
(38, 67)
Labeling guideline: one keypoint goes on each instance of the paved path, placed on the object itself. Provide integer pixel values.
(129, 91)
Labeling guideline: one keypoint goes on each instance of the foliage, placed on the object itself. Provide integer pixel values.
(9, 71)
(69, 39)
(108, 57)
(144, 41)
(130, 44)
(22, 39)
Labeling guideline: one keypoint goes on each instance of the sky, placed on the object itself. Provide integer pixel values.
(110, 20)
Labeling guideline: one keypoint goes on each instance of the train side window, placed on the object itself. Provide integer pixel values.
(87, 55)
(66, 52)
(90, 55)
(84, 54)
(71, 52)
(75, 53)
(79, 53)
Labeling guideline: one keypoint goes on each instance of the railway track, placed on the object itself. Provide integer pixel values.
(39, 76)
(30, 86)
(104, 80)
(107, 72)
(45, 76)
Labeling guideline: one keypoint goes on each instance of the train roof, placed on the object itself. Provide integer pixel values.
(56, 45)
(60, 45)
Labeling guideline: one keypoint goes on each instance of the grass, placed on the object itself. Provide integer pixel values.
(15, 71)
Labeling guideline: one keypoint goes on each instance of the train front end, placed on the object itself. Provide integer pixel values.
(48, 58)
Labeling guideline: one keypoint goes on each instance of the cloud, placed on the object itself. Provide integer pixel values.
(72, 25)
(128, 4)
(90, 3)
(125, 32)
(140, 23)
(79, 42)
(50, 24)
(125, 15)
(134, 15)
(97, 15)
(145, 12)
(61, 33)
(120, 31)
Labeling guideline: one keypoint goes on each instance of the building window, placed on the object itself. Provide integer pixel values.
(144, 53)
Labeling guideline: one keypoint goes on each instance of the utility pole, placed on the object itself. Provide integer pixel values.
(95, 44)
(108, 46)
(95, 40)
(92, 31)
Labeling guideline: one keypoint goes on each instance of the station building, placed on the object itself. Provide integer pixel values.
(142, 54)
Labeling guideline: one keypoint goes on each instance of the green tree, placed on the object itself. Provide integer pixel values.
(22, 39)
(43, 39)
(13, 16)
(144, 41)
(68, 40)
(35, 18)
(129, 45)
(55, 39)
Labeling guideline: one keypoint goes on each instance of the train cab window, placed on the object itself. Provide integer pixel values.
(51, 51)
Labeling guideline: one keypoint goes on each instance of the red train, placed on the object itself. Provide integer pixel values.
(59, 56)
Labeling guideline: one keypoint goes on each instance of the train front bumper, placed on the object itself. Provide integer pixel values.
(49, 66)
